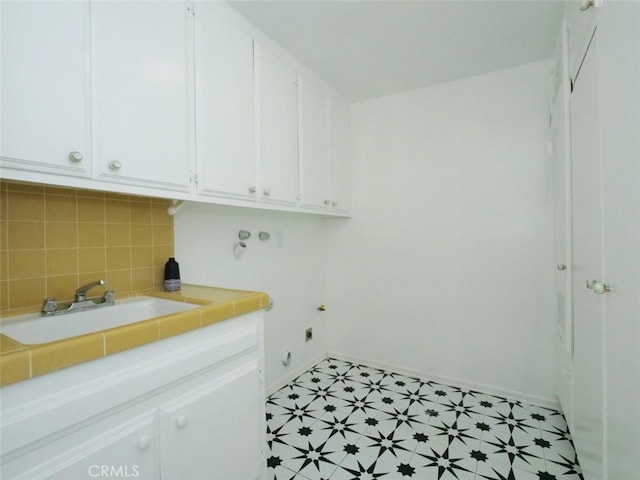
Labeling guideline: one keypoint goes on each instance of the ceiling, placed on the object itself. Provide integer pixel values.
(366, 49)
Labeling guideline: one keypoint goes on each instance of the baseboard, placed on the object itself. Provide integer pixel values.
(455, 382)
(281, 382)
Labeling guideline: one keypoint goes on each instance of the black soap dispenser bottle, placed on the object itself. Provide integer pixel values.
(171, 275)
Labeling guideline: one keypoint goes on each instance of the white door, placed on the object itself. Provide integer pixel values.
(46, 117)
(141, 83)
(224, 104)
(587, 267)
(562, 254)
(277, 127)
(314, 145)
(217, 430)
(619, 63)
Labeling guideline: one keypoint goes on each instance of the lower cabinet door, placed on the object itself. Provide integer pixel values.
(216, 430)
(130, 450)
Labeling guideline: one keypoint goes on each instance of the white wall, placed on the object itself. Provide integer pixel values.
(445, 268)
(290, 267)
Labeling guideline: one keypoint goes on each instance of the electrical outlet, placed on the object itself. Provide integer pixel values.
(308, 334)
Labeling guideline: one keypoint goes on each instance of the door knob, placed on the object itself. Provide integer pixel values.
(601, 288)
(115, 165)
(561, 267)
(587, 5)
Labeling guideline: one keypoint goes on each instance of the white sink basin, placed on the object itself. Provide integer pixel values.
(32, 328)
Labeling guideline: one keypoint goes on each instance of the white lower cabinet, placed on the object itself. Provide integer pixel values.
(207, 420)
(130, 450)
(187, 408)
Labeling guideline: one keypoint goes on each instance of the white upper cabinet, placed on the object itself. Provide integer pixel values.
(170, 98)
(277, 127)
(324, 149)
(225, 147)
(314, 145)
(143, 106)
(46, 122)
(339, 151)
(582, 19)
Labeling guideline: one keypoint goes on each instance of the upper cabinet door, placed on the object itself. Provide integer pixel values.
(339, 150)
(143, 106)
(45, 87)
(224, 104)
(277, 127)
(314, 145)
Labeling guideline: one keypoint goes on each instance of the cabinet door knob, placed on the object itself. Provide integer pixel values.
(590, 284)
(115, 165)
(334, 204)
(561, 266)
(75, 157)
(182, 421)
(327, 202)
(252, 189)
(267, 192)
(144, 442)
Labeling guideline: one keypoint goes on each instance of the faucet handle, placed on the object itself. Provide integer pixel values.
(109, 297)
(50, 305)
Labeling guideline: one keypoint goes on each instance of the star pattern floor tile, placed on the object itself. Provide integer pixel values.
(345, 421)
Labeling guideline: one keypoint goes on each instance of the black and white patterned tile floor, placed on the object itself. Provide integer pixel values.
(344, 421)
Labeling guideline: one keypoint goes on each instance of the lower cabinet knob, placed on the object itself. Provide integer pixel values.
(327, 202)
(115, 165)
(267, 192)
(75, 157)
(252, 189)
(334, 204)
(182, 421)
(144, 442)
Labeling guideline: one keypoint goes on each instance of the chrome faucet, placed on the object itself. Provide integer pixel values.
(81, 292)
(80, 302)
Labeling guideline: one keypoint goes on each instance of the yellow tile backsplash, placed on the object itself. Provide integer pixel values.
(54, 239)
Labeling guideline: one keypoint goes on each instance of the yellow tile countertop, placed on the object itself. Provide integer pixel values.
(20, 362)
